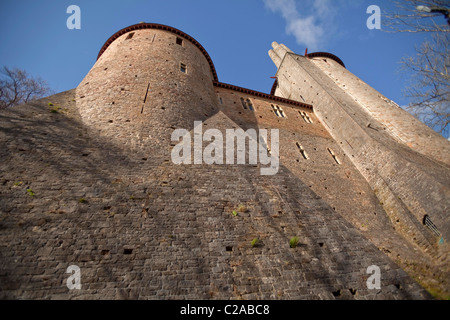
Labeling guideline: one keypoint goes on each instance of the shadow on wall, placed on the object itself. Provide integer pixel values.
(139, 226)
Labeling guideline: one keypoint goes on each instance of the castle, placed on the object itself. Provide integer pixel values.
(87, 180)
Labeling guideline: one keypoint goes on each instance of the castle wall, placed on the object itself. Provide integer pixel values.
(326, 170)
(408, 184)
(149, 229)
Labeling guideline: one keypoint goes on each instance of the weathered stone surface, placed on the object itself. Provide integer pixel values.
(404, 162)
(92, 185)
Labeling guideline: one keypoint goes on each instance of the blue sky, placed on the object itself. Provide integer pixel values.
(236, 33)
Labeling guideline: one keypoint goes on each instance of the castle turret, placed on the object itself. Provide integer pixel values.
(148, 80)
(404, 161)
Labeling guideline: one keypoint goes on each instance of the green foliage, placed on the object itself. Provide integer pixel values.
(50, 104)
(82, 200)
(30, 192)
(55, 109)
(240, 209)
(293, 242)
(255, 242)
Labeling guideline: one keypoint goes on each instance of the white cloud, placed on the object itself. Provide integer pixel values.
(308, 29)
(305, 32)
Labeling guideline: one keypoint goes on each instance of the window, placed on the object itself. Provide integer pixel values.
(305, 116)
(183, 68)
(302, 151)
(278, 111)
(244, 104)
(179, 41)
(250, 105)
(129, 36)
(220, 100)
(427, 222)
(145, 98)
(334, 156)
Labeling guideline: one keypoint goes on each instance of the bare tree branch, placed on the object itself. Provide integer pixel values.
(17, 87)
(407, 18)
(430, 84)
(428, 90)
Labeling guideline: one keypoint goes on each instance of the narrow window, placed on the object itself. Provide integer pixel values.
(183, 68)
(145, 98)
(179, 41)
(334, 156)
(129, 36)
(275, 110)
(302, 151)
(305, 117)
(220, 100)
(250, 105)
(278, 111)
(244, 104)
(427, 222)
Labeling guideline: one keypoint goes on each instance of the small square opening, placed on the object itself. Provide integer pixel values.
(130, 35)
(183, 68)
(179, 41)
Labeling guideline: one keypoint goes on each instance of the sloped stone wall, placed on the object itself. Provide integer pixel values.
(140, 227)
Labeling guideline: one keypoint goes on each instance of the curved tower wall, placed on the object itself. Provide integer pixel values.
(137, 94)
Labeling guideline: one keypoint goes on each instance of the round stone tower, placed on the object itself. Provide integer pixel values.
(148, 80)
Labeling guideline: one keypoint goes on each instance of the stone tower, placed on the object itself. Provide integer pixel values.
(404, 161)
(148, 78)
(360, 184)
